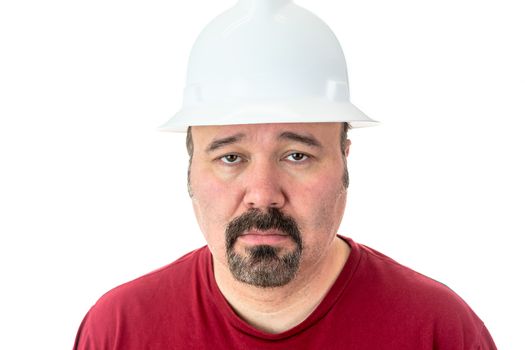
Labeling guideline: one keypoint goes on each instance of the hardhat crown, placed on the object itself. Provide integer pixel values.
(266, 61)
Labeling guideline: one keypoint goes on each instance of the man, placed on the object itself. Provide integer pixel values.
(267, 112)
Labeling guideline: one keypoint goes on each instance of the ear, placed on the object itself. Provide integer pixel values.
(347, 147)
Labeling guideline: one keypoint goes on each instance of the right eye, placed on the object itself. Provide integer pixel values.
(230, 159)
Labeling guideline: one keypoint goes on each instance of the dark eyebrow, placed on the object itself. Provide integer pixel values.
(305, 139)
(218, 143)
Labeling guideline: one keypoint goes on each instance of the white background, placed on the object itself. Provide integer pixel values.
(91, 195)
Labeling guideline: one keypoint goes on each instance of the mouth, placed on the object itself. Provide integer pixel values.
(267, 237)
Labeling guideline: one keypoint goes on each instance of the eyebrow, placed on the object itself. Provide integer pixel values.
(287, 135)
(218, 143)
(304, 139)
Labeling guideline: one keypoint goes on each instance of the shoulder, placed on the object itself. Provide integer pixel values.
(171, 277)
(409, 286)
(155, 298)
(407, 299)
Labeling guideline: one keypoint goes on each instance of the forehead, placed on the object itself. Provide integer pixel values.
(324, 133)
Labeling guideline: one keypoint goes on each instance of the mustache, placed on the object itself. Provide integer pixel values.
(263, 221)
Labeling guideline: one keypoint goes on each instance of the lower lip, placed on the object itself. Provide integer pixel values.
(263, 239)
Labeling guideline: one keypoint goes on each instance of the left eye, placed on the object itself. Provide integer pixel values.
(297, 157)
(231, 159)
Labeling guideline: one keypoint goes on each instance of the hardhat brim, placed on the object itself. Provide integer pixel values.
(262, 112)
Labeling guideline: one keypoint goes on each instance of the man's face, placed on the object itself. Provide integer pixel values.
(269, 198)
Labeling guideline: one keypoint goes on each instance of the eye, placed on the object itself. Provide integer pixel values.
(297, 157)
(230, 159)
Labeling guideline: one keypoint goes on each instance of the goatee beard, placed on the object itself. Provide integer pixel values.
(263, 266)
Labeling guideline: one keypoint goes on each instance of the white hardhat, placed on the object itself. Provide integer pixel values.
(266, 61)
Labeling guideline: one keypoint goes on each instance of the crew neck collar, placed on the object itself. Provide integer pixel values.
(330, 299)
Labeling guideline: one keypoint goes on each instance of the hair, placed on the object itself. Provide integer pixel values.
(345, 126)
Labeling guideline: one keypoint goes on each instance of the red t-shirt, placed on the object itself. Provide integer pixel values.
(375, 303)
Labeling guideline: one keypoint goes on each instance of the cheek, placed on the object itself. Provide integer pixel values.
(323, 204)
(325, 188)
(207, 189)
(329, 211)
(214, 203)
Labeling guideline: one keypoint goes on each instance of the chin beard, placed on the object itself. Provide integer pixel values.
(263, 265)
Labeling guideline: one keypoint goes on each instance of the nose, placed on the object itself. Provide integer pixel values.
(263, 187)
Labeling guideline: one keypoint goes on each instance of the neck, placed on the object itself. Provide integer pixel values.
(275, 310)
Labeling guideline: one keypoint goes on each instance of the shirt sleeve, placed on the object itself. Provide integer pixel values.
(485, 341)
(82, 339)
(95, 333)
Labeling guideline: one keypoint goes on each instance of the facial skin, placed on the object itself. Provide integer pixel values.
(293, 169)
